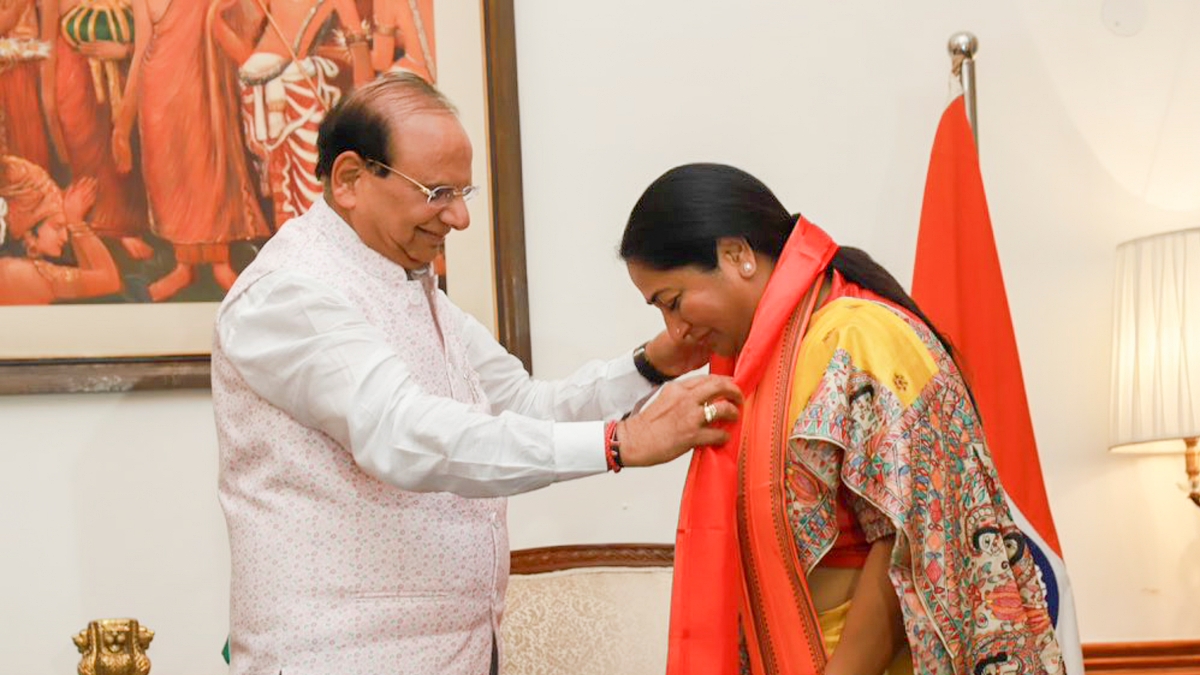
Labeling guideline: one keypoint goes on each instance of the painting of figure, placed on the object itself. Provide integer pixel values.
(173, 137)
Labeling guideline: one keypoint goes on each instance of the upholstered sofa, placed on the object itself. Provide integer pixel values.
(603, 609)
(584, 610)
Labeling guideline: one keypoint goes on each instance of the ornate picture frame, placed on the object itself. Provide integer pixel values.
(152, 372)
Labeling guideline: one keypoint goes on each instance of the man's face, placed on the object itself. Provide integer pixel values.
(393, 216)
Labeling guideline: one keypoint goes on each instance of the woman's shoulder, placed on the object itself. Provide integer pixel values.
(869, 330)
(874, 338)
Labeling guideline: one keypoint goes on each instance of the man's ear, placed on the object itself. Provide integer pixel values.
(344, 177)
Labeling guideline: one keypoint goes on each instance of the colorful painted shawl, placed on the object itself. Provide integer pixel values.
(880, 408)
(865, 398)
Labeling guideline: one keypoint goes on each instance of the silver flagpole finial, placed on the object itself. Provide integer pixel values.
(963, 43)
(962, 47)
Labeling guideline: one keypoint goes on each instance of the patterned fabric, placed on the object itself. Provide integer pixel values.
(282, 113)
(880, 408)
(334, 571)
(590, 621)
(710, 575)
(199, 188)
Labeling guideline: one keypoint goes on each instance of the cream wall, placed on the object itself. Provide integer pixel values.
(1087, 139)
(107, 502)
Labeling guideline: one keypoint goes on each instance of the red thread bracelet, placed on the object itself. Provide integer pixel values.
(612, 448)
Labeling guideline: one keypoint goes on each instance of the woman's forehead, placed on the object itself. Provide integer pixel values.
(652, 281)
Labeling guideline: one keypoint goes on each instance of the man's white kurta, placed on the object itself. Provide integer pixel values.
(369, 430)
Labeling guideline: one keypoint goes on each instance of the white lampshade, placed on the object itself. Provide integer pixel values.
(1156, 343)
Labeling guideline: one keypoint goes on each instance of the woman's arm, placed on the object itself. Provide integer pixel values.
(874, 629)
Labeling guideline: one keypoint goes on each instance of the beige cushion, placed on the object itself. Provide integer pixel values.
(601, 620)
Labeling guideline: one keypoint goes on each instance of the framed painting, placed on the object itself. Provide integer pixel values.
(149, 148)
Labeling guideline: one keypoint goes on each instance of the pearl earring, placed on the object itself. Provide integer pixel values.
(747, 267)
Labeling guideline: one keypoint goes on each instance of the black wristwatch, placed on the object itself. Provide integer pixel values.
(647, 369)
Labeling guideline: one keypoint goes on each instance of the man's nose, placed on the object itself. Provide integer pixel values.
(456, 214)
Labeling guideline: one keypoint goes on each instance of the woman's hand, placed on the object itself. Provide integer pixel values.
(676, 422)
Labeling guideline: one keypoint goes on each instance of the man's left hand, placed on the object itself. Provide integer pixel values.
(676, 357)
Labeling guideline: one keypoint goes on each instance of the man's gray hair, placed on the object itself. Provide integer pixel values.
(399, 92)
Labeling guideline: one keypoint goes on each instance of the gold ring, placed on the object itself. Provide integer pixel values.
(710, 412)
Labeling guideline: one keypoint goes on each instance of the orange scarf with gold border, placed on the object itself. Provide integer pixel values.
(709, 589)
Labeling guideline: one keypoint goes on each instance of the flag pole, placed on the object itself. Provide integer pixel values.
(962, 48)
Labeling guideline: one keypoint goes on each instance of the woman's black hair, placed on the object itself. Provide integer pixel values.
(681, 216)
(679, 219)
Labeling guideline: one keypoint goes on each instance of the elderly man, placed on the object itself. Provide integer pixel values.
(370, 429)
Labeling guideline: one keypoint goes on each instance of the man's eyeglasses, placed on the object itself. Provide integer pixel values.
(441, 195)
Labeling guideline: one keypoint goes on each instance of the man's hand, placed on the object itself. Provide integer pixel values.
(676, 357)
(675, 421)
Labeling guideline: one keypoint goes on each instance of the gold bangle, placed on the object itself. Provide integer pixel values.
(355, 38)
(386, 31)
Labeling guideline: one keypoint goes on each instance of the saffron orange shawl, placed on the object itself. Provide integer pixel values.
(707, 588)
